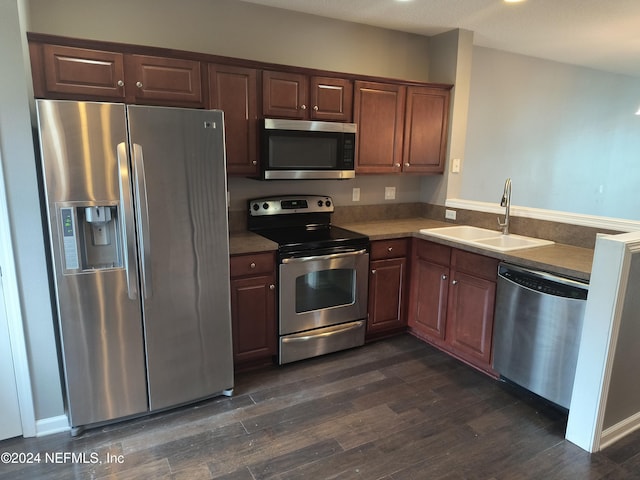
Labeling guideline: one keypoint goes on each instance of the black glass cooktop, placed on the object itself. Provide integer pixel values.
(291, 239)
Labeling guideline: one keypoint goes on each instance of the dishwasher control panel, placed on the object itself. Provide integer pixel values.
(545, 283)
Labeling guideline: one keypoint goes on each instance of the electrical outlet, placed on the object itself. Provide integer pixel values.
(450, 214)
(455, 165)
(389, 193)
(355, 195)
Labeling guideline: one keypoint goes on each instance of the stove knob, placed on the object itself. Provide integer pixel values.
(327, 203)
(265, 205)
(256, 207)
(320, 203)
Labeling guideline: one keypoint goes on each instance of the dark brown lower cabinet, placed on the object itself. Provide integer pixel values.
(253, 309)
(452, 301)
(387, 287)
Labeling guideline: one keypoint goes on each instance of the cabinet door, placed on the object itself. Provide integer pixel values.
(429, 289)
(284, 94)
(253, 318)
(470, 317)
(82, 73)
(379, 113)
(386, 295)
(331, 99)
(425, 130)
(234, 90)
(164, 81)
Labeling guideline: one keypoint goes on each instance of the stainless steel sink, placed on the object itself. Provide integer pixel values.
(485, 238)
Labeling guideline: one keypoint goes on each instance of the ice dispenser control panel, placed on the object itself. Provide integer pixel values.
(69, 239)
(90, 237)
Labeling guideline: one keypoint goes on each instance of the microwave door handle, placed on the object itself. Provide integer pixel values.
(324, 257)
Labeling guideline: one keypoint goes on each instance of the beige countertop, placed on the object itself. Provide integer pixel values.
(558, 258)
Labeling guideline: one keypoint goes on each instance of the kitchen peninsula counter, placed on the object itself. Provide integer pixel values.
(558, 258)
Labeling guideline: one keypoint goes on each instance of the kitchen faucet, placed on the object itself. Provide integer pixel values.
(506, 202)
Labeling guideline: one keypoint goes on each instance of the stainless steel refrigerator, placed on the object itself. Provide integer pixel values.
(137, 208)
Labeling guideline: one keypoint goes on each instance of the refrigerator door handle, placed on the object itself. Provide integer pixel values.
(126, 222)
(143, 218)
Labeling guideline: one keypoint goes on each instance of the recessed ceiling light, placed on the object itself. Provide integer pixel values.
(513, 1)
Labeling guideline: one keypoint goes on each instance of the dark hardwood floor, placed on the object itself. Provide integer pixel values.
(396, 409)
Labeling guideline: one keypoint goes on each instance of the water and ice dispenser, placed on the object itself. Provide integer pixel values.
(91, 237)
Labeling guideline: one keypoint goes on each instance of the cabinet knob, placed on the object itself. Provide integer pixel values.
(373, 272)
(120, 83)
(315, 108)
(272, 287)
(254, 162)
(139, 84)
(397, 165)
(303, 107)
(455, 282)
(444, 277)
(390, 249)
(406, 164)
(252, 265)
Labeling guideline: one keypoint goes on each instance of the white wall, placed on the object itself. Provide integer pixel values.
(237, 29)
(567, 136)
(19, 167)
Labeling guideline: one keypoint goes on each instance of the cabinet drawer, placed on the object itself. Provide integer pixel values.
(474, 264)
(382, 249)
(252, 264)
(433, 252)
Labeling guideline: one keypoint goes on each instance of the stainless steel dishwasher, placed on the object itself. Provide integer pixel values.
(537, 330)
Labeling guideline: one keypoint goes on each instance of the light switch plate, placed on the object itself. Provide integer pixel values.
(355, 195)
(389, 193)
(455, 165)
(450, 214)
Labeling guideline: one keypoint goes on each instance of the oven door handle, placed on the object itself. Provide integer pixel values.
(314, 336)
(324, 257)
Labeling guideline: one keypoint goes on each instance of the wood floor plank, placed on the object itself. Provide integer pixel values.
(396, 409)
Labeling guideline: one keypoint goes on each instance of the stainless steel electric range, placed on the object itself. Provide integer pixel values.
(322, 275)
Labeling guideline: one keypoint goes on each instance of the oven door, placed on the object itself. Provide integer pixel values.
(320, 291)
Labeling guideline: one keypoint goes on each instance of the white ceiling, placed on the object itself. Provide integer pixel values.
(600, 34)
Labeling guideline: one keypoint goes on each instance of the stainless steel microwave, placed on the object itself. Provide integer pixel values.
(299, 149)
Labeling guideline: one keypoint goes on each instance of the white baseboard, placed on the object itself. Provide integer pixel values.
(607, 223)
(51, 425)
(619, 430)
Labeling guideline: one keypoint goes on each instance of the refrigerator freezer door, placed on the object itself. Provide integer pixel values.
(180, 181)
(100, 326)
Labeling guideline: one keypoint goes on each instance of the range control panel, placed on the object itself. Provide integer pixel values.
(290, 204)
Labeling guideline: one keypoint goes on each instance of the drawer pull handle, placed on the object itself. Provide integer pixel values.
(455, 282)
(272, 287)
(252, 265)
(390, 249)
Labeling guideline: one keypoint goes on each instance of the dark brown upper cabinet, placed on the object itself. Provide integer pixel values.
(81, 73)
(401, 129)
(425, 130)
(379, 114)
(234, 91)
(302, 97)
